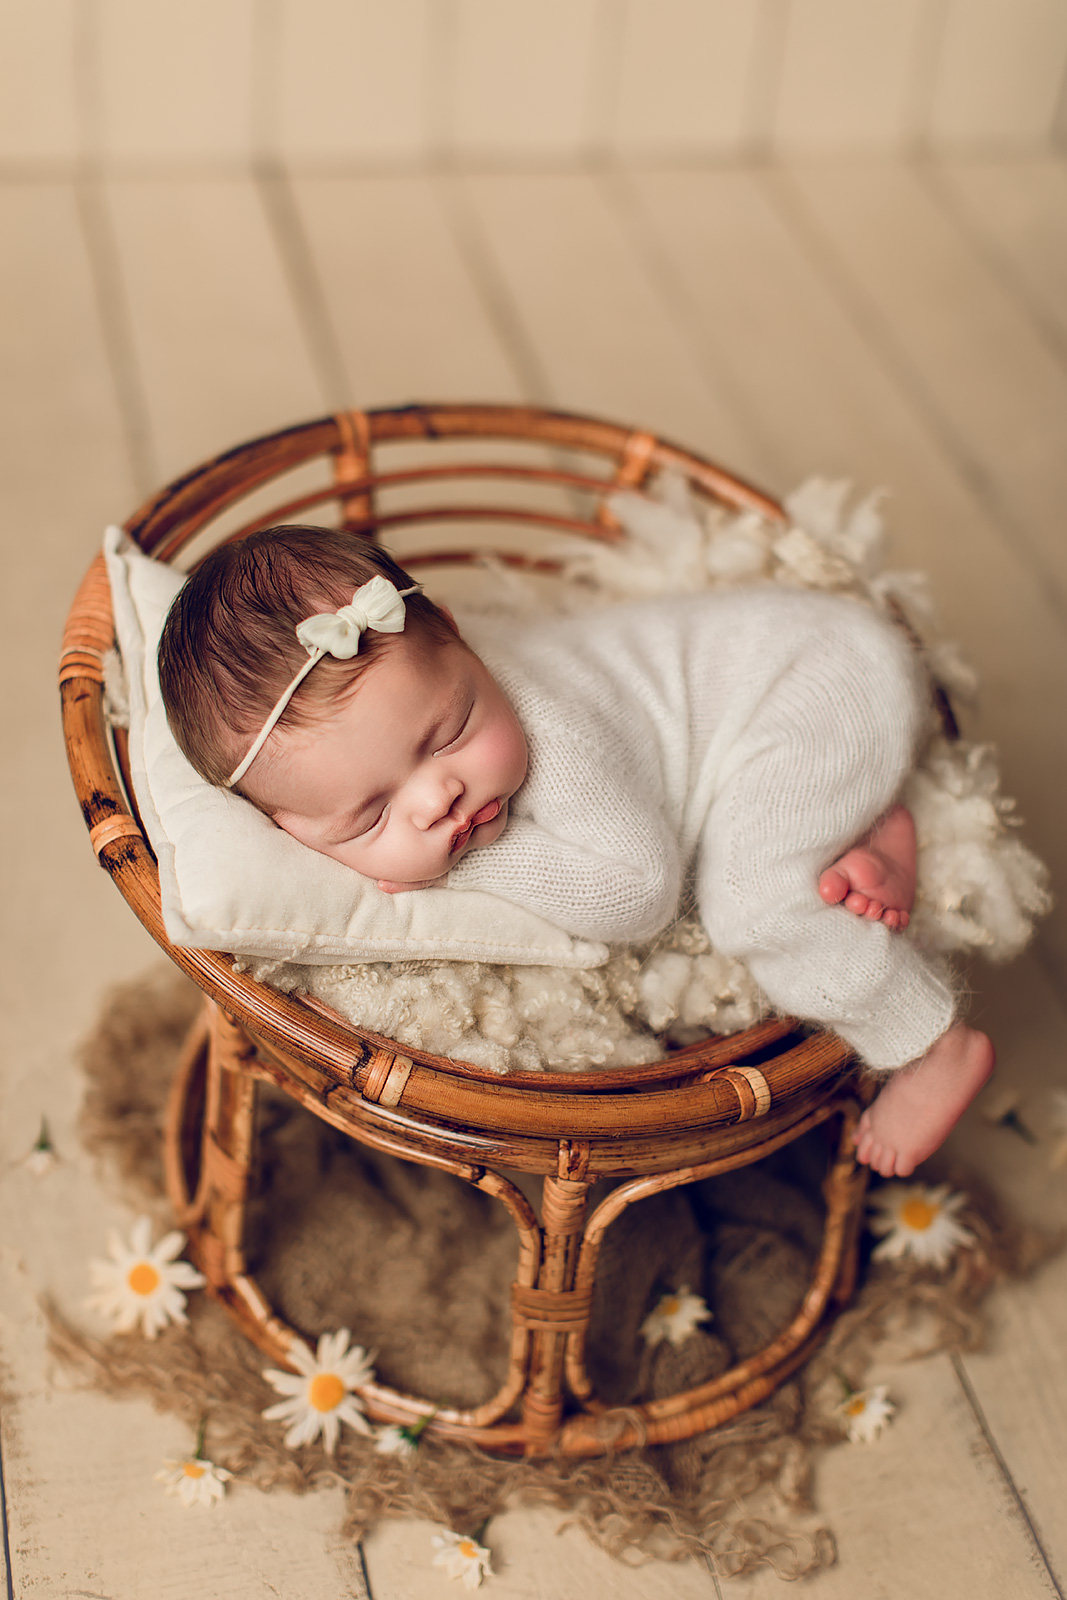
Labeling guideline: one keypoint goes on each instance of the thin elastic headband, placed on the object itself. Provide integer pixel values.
(378, 604)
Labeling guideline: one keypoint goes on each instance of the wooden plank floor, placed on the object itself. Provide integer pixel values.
(903, 324)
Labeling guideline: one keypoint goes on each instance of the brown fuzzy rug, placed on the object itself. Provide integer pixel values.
(418, 1266)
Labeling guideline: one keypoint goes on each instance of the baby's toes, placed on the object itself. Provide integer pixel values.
(875, 911)
(892, 918)
(903, 918)
(883, 1161)
(866, 1151)
(857, 903)
(833, 886)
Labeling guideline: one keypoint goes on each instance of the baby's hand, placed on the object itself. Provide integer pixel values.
(388, 887)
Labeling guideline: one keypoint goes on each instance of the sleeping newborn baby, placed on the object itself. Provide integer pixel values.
(756, 738)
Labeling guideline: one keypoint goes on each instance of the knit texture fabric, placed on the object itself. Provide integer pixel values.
(747, 735)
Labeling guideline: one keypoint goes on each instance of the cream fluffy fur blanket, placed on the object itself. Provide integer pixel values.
(979, 887)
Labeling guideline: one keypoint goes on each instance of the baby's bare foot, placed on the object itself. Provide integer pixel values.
(920, 1105)
(876, 878)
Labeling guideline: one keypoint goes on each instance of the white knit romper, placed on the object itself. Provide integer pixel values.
(746, 737)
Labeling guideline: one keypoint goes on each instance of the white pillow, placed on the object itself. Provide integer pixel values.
(231, 880)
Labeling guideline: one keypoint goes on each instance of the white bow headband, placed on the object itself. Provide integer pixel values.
(378, 604)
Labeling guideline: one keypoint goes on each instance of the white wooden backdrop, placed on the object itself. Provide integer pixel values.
(388, 81)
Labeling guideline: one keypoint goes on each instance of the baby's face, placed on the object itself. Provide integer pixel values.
(413, 770)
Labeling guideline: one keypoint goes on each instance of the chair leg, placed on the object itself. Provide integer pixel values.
(845, 1192)
(718, 1400)
(563, 1219)
(216, 1218)
(184, 1124)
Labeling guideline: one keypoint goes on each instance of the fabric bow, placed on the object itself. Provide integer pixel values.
(377, 604)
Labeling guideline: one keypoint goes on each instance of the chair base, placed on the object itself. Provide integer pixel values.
(547, 1402)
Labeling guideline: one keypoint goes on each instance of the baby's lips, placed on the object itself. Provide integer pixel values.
(486, 814)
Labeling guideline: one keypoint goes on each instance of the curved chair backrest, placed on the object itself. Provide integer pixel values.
(452, 483)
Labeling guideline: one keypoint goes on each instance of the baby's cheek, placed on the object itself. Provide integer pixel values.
(505, 754)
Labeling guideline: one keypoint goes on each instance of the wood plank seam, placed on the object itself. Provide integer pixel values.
(493, 293)
(302, 278)
(605, 82)
(929, 49)
(986, 1431)
(265, 46)
(676, 301)
(117, 329)
(766, 73)
(4, 1519)
(361, 1555)
(88, 97)
(438, 121)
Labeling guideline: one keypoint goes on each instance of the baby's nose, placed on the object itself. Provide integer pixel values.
(436, 801)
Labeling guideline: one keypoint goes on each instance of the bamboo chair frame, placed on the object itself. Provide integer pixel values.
(701, 1111)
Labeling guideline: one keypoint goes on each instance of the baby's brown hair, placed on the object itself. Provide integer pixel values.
(229, 647)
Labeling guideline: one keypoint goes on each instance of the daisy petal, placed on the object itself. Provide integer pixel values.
(141, 1236)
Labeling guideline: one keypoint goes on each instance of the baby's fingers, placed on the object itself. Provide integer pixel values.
(388, 887)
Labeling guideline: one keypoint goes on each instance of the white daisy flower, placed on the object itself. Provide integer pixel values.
(866, 1413)
(395, 1441)
(40, 1160)
(142, 1283)
(674, 1317)
(462, 1557)
(918, 1221)
(196, 1482)
(320, 1394)
(403, 1439)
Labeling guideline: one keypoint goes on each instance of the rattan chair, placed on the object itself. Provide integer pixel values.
(700, 1111)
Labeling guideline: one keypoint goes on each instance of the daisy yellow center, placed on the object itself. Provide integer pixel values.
(856, 1406)
(326, 1391)
(468, 1548)
(670, 1306)
(918, 1214)
(192, 1469)
(143, 1278)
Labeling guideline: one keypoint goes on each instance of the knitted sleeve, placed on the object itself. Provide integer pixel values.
(624, 885)
(823, 756)
(588, 844)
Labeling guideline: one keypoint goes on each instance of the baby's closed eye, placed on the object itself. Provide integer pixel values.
(363, 828)
(458, 730)
(359, 825)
